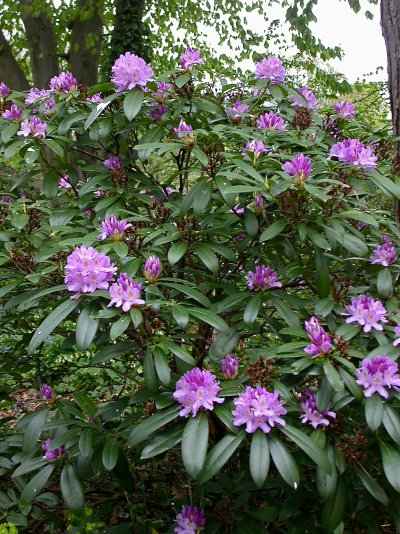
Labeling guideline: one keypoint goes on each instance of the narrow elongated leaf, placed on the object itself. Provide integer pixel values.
(309, 446)
(326, 483)
(211, 318)
(332, 512)
(180, 314)
(110, 454)
(86, 328)
(150, 425)
(333, 377)
(35, 485)
(374, 410)
(207, 256)
(391, 422)
(85, 403)
(284, 462)
(194, 444)
(322, 273)
(95, 113)
(272, 231)
(219, 455)
(112, 351)
(162, 367)
(162, 442)
(372, 485)
(190, 292)
(391, 464)
(259, 459)
(120, 326)
(252, 309)
(86, 442)
(250, 222)
(149, 371)
(133, 103)
(203, 195)
(71, 489)
(384, 283)
(33, 430)
(179, 351)
(176, 252)
(31, 464)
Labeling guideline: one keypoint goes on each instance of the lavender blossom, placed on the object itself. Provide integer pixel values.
(310, 100)
(87, 213)
(383, 254)
(125, 293)
(229, 367)
(238, 209)
(113, 228)
(14, 113)
(259, 203)
(157, 112)
(36, 94)
(197, 389)
(34, 127)
(184, 132)
(130, 71)
(262, 278)
(320, 340)
(354, 152)
(270, 121)
(237, 111)
(397, 333)
(344, 109)
(87, 270)
(64, 182)
(162, 88)
(299, 167)
(4, 90)
(47, 392)
(55, 453)
(270, 68)
(257, 147)
(6, 198)
(310, 412)
(95, 99)
(190, 57)
(63, 82)
(367, 312)
(113, 163)
(376, 374)
(238, 238)
(152, 269)
(258, 408)
(49, 105)
(189, 521)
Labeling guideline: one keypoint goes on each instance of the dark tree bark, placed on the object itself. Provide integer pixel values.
(390, 22)
(86, 41)
(10, 72)
(42, 42)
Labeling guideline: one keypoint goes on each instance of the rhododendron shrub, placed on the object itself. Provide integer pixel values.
(216, 246)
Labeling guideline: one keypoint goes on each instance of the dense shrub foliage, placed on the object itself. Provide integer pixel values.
(225, 253)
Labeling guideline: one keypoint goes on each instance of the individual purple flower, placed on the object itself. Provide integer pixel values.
(299, 167)
(4, 90)
(87, 270)
(184, 132)
(229, 367)
(55, 453)
(157, 112)
(95, 99)
(397, 333)
(162, 88)
(47, 392)
(237, 111)
(49, 105)
(6, 198)
(87, 213)
(259, 202)
(376, 374)
(238, 238)
(354, 152)
(310, 412)
(197, 389)
(189, 521)
(125, 293)
(344, 109)
(320, 340)
(112, 227)
(130, 71)
(383, 254)
(113, 163)
(237, 209)
(367, 312)
(152, 269)
(310, 100)
(262, 278)
(63, 82)
(270, 68)
(190, 57)
(64, 182)
(34, 127)
(257, 147)
(270, 121)
(168, 191)
(35, 94)
(14, 113)
(258, 408)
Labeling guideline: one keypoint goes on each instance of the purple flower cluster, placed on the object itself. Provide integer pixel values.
(229, 367)
(299, 167)
(87, 270)
(344, 109)
(55, 453)
(257, 147)
(237, 111)
(256, 408)
(354, 152)
(152, 269)
(270, 68)
(35, 94)
(270, 121)
(4, 90)
(14, 113)
(320, 340)
(34, 127)
(6, 198)
(197, 389)
(64, 182)
(130, 71)
(190, 57)
(184, 132)
(262, 278)
(397, 333)
(384, 254)
(113, 163)
(310, 413)
(112, 227)
(310, 100)
(367, 312)
(63, 82)
(125, 293)
(189, 521)
(47, 392)
(376, 374)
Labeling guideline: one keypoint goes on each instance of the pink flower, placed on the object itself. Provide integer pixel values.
(4, 90)
(130, 71)
(270, 121)
(197, 389)
(310, 100)
(299, 167)
(35, 94)
(189, 521)
(376, 374)
(384, 254)
(152, 269)
(113, 228)
(190, 57)
(34, 127)
(270, 68)
(262, 278)
(125, 293)
(344, 109)
(258, 408)
(63, 82)
(354, 152)
(113, 163)
(310, 413)
(367, 312)
(14, 113)
(320, 340)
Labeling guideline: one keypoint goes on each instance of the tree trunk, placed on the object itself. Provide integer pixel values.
(86, 41)
(10, 72)
(390, 22)
(41, 40)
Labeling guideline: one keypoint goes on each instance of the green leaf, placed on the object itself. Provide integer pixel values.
(391, 422)
(71, 489)
(31, 464)
(207, 256)
(332, 512)
(354, 244)
(20, 220)
(136, 316)
(333, 377)
(86, 328)
(12, 149)
(284, 462)
(55, 147)
(374, 411)
(119, 327)
(149, 372)
(112, 352)
(133, 103)
(371, 485)
(183, 79)
(259, 459)
(35, 485)
(211, 318)
(176, 252)
(154, 135)
(180, 314)
(85, 403)
(272, 231)
(223, 344)
(179, 351)
(110, 454)
(95, 113)
(309, 446)
(322, 273)
(162, 367)
(391, 464)
(252, 309)
(9, 131)
(203, 159)
(287, 314)
(31, 155)
(33, 430)
(86, 442)
(318, 239)
(219, 455)
(150, 425)
(163, 442)
(190, 292)
(51, 321)
(384, 283)
(203, 195)
(324, 307)
(250, 222)
(194, 444)
(50, 184)
(327, 483)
